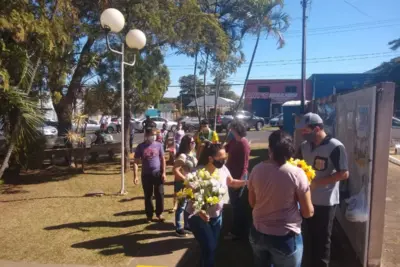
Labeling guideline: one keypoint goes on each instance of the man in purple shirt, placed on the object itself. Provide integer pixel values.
(151, 154)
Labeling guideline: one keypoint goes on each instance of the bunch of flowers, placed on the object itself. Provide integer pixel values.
(204, 190)
(309, 171)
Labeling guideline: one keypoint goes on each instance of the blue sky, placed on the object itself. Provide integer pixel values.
(351, 40)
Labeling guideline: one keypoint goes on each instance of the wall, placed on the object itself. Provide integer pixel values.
(324, 84)
(277, 92)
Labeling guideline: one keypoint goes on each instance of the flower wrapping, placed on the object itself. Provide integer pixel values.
(203, 189)
(308, 169)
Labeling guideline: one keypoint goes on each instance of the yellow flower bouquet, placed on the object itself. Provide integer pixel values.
(309, 171)
(204, 190)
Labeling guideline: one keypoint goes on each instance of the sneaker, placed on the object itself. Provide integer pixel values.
(187, 229)
(231, 236)
(181, 233)
(149, 220)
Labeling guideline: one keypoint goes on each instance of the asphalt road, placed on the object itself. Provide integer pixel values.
(253, 136)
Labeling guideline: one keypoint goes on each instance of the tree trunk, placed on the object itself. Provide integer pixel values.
(205, 81)
(195, 86)
(216, 102)
(65, 106)
(4, 166)
(248, 72)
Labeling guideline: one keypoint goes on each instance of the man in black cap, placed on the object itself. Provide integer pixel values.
(328, 157)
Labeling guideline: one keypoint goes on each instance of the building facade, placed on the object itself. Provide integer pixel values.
(324, 85)
(265, 97)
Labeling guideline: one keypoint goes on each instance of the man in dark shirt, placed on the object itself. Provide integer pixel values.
(238, 149)
(328, 157)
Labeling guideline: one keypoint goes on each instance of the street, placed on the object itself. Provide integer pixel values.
(253, 136)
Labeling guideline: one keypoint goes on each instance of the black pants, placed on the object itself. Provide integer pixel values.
(152, 184)
(118, 128)
(131, 142)
(317, 233)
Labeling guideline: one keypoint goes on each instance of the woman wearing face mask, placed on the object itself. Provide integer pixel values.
(185, 163)
(206, 225)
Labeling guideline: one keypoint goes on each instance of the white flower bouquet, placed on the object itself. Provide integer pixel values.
(204, 190)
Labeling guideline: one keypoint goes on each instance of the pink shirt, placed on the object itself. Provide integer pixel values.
(276, 189)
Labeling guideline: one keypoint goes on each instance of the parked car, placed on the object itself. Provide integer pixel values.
(395, 135)
(276, 121)
(249, 119)
(171, 125)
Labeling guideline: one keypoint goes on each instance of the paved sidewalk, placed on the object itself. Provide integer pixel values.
(4, 263)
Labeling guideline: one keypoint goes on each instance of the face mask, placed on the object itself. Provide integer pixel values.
(151, 139)
(309, 137)
(218, 163)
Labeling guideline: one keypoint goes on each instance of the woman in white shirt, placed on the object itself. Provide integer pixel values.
(206, 225)
(185, 163)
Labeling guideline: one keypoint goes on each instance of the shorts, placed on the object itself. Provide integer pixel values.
(178, 186)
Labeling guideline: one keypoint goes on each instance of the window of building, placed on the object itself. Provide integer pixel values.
(263, 89)
(291, 89)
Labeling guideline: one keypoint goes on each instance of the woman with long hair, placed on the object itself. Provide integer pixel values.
(275, 189)
(206, 224)
(185, 162)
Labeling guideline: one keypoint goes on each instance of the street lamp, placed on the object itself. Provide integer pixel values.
(112, 20)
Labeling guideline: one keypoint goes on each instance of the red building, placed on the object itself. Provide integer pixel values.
(265, 97)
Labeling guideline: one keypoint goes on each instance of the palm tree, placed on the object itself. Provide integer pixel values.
(20, 119)
(262, 16)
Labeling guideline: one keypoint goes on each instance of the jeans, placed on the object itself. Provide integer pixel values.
(152, 183)
(277, 251)
(178, 186)
(207, 234)
(318, 238)
(239, 204)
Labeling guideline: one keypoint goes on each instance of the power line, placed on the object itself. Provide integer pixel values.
(356, 8)
(298, 61)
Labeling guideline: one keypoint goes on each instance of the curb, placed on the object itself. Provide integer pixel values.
(394, 160)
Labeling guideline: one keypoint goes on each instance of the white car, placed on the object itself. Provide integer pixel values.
(171, 125)
(92, 126)
(395, 138)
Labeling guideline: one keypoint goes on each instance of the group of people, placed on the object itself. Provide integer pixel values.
(282, 200)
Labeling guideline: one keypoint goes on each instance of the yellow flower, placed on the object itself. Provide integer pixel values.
(201, 174)
(302, 164)
(179, 194)
(209, 200)
(215, 200)
(189, 192)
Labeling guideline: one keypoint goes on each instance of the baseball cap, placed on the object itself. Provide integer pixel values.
(309, 119)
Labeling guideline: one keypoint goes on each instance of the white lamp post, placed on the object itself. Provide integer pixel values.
(112, 20)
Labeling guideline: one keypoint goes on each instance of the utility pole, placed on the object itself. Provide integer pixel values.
(303, 57)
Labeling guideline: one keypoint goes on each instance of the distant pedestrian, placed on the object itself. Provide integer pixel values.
(103, 122)
(119, 123)
(179, 134)
(328, 157)
(132, 135)
(238, 149)
(151, 154)
(149, 123)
